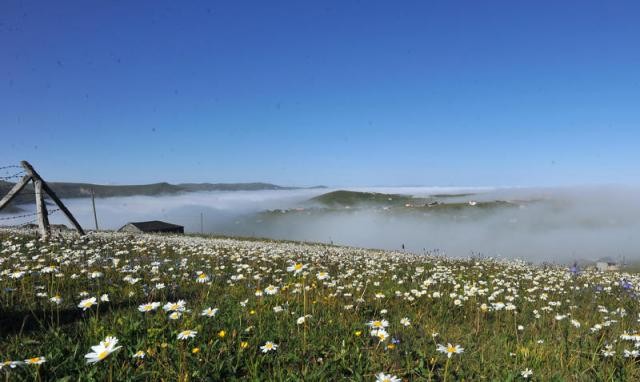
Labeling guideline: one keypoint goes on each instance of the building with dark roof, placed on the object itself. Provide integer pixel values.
(152, 226)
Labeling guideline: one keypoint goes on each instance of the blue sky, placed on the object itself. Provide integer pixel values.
(336, 93)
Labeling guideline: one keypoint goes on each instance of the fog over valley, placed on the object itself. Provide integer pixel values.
(536, 224)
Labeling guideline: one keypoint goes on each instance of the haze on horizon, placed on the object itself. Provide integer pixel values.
(551, 224)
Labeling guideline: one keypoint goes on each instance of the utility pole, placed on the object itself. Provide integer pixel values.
(93, 201)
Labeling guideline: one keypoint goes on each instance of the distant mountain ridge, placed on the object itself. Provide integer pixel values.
(83, 190)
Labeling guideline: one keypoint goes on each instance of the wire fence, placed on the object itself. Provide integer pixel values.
(31, 221)
(26, 196)
(13, 176)
(10, 166)
(9, 172)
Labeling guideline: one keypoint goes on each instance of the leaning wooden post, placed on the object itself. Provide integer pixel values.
(14, 191)
(41, 209)
(29, 169)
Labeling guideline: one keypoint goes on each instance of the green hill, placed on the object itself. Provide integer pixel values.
(342, 198)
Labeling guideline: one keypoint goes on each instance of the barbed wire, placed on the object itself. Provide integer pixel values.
(22, 194)
(18, 216)
(27, 223)
(16, 175)
(10, 166)
(28, 215)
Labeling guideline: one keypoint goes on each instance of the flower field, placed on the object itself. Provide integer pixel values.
(112, 307)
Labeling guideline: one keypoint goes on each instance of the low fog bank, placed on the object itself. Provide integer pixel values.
(556, 225)
(545, 224)
(219, 208)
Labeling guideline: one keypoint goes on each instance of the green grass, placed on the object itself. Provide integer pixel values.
(438, 295)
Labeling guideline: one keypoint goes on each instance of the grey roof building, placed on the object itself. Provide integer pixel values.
(152, 226)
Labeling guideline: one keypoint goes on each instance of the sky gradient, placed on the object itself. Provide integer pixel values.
(342, 93)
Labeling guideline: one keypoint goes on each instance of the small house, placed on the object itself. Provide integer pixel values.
(152, 226)
(607, 264)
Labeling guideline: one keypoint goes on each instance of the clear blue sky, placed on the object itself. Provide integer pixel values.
(336, 93)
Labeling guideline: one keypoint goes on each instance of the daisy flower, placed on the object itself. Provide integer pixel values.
(296, 268)
(186, 334)
(87, 303)
(202, 278)
(382, 377)
(380, 333)
(102, 350)
(268, 346)
(175, 306)
(378, 324)
(301, 320)
(526, 373)
(608, 351)
(35, 361)
(450, 349)
(209, 312)
(149, 307)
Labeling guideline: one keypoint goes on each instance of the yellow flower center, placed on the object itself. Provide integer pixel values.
(103, 354)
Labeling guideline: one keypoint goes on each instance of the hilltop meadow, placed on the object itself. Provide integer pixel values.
(176, 308)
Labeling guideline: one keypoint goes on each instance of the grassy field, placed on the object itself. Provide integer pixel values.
(205, 309)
